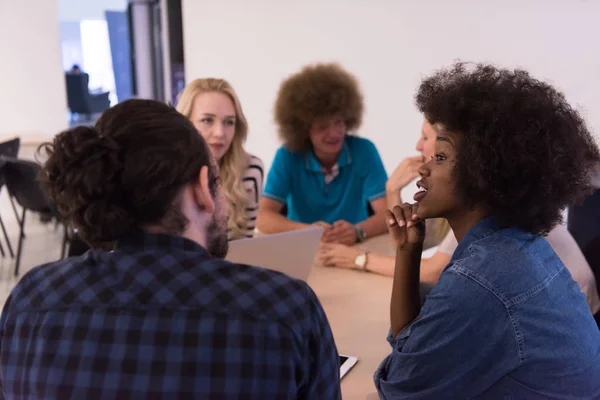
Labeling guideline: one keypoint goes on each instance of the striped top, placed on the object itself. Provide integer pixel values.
(252, 181)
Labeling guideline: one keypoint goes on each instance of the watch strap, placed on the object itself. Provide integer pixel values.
(361, 236)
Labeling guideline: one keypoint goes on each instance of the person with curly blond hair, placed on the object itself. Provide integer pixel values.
(323, 174)
(213, 107)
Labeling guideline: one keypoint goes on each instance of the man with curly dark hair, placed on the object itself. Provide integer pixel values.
(506, 318)
(324, 175)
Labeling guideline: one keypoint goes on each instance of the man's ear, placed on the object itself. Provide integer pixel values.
(202, 194)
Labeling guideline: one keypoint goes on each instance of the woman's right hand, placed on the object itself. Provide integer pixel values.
(405, 227)
(404, 173)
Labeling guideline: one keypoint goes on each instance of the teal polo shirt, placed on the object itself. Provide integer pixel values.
(297, 180)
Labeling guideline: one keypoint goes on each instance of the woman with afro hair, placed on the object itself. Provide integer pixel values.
(322, 174)
(506, 319)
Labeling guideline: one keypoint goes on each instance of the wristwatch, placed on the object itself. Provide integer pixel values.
(361, 261)
(361, 235)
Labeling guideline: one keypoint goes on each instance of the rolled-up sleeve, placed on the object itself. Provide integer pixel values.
(449, 350)
(399, 340)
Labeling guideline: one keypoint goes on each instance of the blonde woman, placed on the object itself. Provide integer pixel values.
(215, 110)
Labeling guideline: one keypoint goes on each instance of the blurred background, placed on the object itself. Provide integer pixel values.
(150, 48)
(66, 61)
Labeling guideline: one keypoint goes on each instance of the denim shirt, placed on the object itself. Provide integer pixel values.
(505, 321)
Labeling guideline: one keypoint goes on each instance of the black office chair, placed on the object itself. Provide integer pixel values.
(21, 181)
(591, 253)
(584, 220)
(584, 224)
(9, 149)
(1, 221)
(79, 98)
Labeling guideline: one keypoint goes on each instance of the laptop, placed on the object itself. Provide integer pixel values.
(291, 253)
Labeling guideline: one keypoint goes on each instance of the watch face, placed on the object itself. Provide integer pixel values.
(360, 260)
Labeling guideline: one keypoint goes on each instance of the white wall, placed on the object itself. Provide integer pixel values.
(70, 44)
(78, 10)
(389, 45)
(32, 86)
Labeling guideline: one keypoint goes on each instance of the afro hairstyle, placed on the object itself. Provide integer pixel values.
(317, 91)
(524, 154)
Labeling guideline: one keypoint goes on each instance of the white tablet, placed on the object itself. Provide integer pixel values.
(346, 362)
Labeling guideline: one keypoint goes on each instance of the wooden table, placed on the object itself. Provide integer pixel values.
(357, 305)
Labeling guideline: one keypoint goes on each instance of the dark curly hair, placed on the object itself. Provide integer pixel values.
(320, 90)
(524, 154)
(126, 172)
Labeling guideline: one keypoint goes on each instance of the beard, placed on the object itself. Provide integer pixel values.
(216, 237)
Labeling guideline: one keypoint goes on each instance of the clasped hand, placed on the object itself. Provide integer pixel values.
(342, 232)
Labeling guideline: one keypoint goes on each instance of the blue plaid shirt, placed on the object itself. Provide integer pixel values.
(160, 318)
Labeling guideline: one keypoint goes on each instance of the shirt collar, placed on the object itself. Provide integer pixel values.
(312, 164)
(143, 241)
(480, 230)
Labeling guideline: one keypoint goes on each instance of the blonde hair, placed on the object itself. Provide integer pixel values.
(235, 161)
